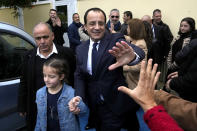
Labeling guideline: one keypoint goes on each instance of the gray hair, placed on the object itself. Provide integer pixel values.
(114, 10)
(42, 23)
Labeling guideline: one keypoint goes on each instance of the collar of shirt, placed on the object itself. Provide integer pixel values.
(89, 62)
(153, 30)
(42, 56)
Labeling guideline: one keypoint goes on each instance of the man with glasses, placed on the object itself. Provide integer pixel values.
(32, 78)
(114, 24)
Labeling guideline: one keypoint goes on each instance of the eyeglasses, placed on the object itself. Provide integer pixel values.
(114, 16)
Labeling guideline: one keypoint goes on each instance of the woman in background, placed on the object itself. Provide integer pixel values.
(185, 35)
(137, 33)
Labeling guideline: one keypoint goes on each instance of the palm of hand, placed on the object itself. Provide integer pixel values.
(143, 94)
(123, 53)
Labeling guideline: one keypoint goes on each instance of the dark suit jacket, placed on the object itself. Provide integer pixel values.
(160, 45)
(104, 81)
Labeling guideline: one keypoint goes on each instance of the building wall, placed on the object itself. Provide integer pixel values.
(172, 10)
(31, 16)
(39, 13)
(7, 16)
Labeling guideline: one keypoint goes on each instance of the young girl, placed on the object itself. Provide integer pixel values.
(52, 100)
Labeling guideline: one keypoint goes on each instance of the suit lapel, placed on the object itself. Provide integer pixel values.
(85, 54)
(102, 48)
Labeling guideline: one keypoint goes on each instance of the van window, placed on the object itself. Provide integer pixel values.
(12, 49)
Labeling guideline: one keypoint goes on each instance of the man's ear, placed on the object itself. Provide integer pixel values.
(52, 35)
(85, 27)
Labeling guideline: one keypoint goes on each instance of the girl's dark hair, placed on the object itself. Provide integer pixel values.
(191, 23)
(137, 29)
(60, 65)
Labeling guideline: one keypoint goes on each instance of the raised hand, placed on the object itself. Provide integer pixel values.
(112, 28)
(143, 94)
(123, 53)
(58, 21)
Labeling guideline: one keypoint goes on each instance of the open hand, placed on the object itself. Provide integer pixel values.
(143, 94)
(123, 53)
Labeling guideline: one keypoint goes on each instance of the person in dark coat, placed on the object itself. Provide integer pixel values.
(127, 16)
(73, 33)
(99, 73)
(114, 25)
(32, 77)
(167, 32)
(185, 34)
(184, 83)
(58, 27)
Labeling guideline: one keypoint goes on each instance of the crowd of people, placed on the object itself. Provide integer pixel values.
(104, 73)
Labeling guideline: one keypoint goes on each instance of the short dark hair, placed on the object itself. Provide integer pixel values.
(52, 10)
(95, 10)
(128, 13)
(156, 10)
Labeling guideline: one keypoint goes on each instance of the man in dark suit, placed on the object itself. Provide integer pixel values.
(159, 49)
(167, 32)
(32, 77)
(99, 73)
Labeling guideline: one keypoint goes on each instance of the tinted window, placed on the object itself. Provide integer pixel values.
(12, 49)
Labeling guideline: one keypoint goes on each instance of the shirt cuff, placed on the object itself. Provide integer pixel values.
(135, 61)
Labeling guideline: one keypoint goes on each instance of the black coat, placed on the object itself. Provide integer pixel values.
(27, 89)
(185, 83)
(58, 32)
(103, 81)
(160, 45)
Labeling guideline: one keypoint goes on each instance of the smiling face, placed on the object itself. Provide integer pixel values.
(51, 78)
(95, 25)
(76, 18)
(184, 27)
(114, 17)
(52, 14)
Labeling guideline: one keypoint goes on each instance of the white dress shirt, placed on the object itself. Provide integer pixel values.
(89, 62)
(42, 56)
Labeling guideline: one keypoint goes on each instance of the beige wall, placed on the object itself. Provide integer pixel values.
(172, 10)
(6, 15)
(31, 16)
(39, 13)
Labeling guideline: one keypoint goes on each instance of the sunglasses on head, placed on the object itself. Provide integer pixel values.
(114, 16)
